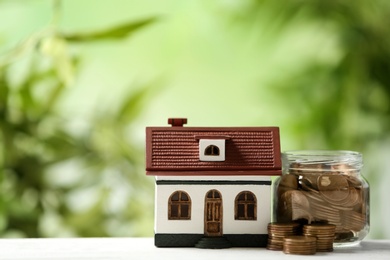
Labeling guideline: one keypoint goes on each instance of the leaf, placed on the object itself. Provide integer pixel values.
(4, 92)
(116, 32)
(136, 100)
(58, 50)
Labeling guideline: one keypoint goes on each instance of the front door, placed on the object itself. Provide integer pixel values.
(213, 214)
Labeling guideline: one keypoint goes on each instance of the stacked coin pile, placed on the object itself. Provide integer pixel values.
(278, 231)
(324, 234)
(299, 245)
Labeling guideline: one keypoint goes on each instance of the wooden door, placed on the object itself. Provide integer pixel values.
(213, 214)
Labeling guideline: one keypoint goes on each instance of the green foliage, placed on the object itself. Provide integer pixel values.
(336, 100)
(98, 165)
(114, 33)
(348, 101)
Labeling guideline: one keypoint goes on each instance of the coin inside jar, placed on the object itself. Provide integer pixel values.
(333, 187)
(294, 206)
(287, 182)
(307, 185)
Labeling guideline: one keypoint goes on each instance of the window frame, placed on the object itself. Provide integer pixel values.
(180, 203)
(246, 203)
(219, 144)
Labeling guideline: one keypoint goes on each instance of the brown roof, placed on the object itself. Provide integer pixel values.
(249, 151)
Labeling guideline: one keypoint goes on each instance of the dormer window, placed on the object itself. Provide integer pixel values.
(212, 150)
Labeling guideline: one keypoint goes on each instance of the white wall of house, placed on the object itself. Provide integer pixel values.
(197, 193)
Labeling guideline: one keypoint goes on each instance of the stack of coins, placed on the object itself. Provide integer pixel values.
(299, 245)
(324, 233)
(278, 231)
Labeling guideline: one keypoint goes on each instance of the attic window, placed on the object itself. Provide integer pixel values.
(212, 150)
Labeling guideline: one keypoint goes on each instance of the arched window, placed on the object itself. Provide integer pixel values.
(245, 206)
(211, 150)
(179, 206)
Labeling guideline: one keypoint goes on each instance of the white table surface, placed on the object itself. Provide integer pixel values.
(143, 248)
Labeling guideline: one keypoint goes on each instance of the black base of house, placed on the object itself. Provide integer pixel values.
(190, 240)
(213, 243)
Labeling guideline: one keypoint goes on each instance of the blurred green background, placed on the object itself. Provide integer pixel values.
(81, 79)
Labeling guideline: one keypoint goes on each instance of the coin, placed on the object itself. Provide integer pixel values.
(277, 232)
(354, 181)
(287, 182)
(353, 220)
(294, 168)
(344, 235)
(300, 245)
(352, 199)
(334, 188)
(296, 202)
(307, 185)
(343, 168)
(324, 233)
(310, 180)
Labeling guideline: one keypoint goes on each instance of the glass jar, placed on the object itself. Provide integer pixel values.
(324, 187)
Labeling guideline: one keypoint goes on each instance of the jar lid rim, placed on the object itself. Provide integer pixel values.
(325, 157)
(322, 152)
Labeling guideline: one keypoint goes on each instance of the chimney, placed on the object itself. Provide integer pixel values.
(177, 121)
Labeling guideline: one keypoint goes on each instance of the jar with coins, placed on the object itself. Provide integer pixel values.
(324, 187)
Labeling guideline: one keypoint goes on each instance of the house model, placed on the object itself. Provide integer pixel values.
(213, 184)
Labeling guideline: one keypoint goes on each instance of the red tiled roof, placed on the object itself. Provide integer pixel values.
(250, 149)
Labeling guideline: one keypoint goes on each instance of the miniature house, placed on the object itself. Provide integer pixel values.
(213, 184)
